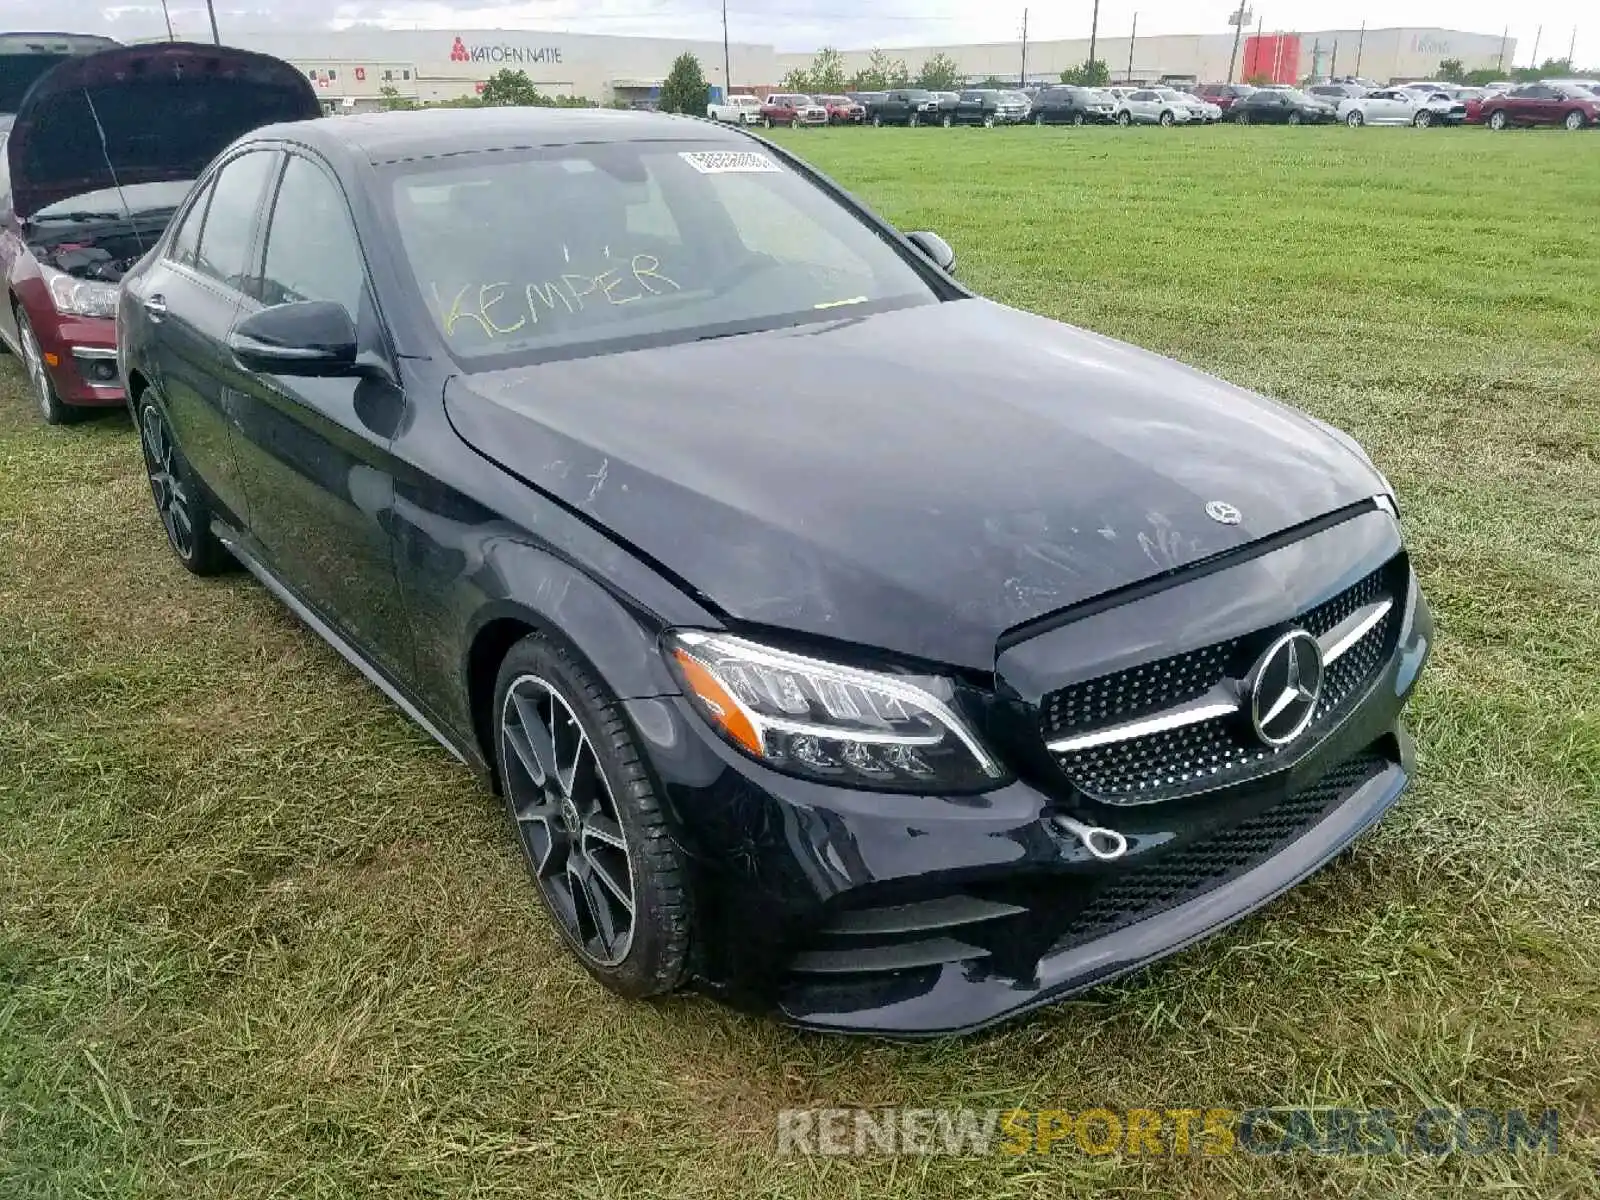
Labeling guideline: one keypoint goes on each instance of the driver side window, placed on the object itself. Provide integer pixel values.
(312, 251)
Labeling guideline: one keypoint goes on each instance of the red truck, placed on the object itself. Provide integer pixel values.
(787, 108)
(842, 110)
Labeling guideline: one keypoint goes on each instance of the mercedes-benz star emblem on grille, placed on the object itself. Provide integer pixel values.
(1221, 510)
(1285, 686)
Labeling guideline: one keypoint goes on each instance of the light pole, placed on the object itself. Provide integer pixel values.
(212, 13)
(727, 71)
(168, 17)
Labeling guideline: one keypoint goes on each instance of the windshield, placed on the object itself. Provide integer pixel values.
(137, 199)
(584, 249)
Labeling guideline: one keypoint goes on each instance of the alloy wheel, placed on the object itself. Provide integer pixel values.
(1077, 118)
(33, 359)
(1574, 120)
(1497, 119)
(1294, 118)
(567, 820)
(166, 482)
(1354, 120)
(1424, 119)
(1166, 118)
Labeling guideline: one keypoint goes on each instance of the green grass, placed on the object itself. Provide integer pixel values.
(259, 937)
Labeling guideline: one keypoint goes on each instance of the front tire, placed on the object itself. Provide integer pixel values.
(1242, 119)
(1423, 119)
(1355, 120)
(1166, 119)
(54, 410)
(1294, 118)
(1077, 119)
(914, 120)
(590, 822)
(1573, 120)
(948, 121)
(877, 121)
(1497, 120)
(1124, 118)
(180, 500)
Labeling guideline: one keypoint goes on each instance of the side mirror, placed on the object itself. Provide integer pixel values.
(309, 337)
(936, 248)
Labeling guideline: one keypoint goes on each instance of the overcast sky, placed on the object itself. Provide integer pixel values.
(807, 24)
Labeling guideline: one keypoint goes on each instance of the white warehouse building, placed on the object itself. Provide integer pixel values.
(351, 67)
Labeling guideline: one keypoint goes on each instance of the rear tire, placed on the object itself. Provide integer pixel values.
(1242, 119)
(948, 121)
(877, 121)
(1294, 118)
(913, 120)
(596, 842)
(1077, 118)
(1573, 120)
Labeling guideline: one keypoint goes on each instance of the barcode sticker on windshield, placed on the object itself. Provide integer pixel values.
(720, 162)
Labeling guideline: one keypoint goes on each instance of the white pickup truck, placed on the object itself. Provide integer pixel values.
(740, 110)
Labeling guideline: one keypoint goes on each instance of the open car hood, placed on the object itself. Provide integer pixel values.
(143, 114)
(26, 56)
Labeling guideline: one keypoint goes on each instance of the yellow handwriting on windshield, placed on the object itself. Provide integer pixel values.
(482, 304)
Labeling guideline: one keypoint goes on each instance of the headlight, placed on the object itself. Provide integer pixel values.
(822, 720)
(80, 297)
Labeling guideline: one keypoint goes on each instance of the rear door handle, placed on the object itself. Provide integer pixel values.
(156, 306)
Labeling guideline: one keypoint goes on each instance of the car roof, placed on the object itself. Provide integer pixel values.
(430, 133)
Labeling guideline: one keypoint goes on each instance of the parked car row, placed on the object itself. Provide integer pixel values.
(1571, 104)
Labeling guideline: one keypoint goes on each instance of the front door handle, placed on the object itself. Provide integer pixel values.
(156, 306)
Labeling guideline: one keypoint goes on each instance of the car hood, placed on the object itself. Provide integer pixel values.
(919, 480)
(143, 114)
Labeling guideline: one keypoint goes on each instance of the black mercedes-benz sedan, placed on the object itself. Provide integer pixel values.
(842, 642)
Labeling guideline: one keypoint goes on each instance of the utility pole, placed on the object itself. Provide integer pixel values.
(1500, 63)
(1360, 41)
(1572, 48)
(1132, 37)
(1238, 32)
(170, 36)
(1024, 80)
(1333, 63)
(1537, 34)
(1094, 29)
(727, 72)
(211, 11)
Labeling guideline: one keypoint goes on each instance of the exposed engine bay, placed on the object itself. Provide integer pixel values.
(106, 258)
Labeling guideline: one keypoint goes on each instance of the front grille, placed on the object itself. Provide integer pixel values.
(876, 954)
(1192, 870)
(1222, 750)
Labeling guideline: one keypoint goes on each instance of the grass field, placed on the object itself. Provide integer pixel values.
(259, 937)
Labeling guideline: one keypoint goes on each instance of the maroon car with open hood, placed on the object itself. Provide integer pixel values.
(102, 149)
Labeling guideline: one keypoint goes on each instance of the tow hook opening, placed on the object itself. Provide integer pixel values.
(1104, 844)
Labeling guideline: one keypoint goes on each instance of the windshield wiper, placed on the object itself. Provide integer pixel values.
(74, 216)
